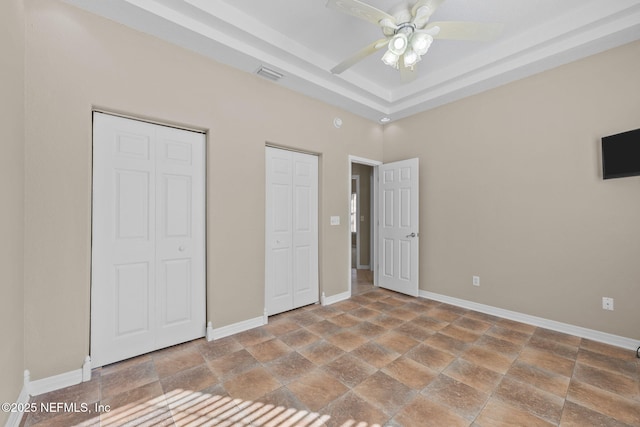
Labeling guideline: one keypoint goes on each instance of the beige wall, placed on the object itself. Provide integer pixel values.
(364, 171)
(74, 61)
(11, 195)
(511, 190)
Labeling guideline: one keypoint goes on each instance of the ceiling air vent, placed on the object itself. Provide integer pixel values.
(269, 74)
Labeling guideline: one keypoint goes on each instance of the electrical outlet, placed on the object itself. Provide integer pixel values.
(476, 281)
(607, 303)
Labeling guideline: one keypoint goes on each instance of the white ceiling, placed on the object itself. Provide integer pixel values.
(303, 40)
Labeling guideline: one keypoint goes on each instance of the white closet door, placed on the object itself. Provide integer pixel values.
(305, 229)
(279, 231)
(180, 242)
(148, 190)
(291, 252)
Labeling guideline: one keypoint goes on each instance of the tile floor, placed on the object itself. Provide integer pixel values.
(377, 359)
(361, 281)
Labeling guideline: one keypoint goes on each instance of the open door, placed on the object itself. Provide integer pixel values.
(398, 229)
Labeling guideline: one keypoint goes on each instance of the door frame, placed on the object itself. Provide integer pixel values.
(356, 178)
(373, 256)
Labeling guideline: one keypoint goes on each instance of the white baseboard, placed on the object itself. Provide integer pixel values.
(56, 382)
(579, 331)
(48, 384)
(335, 298)
(225, 331)
(16, 417)
(363, 267)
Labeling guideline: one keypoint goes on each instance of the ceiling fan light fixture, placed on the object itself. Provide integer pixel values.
(420, 43)
(398, 44)
(406, 34)
(410, 58)
(391, 59)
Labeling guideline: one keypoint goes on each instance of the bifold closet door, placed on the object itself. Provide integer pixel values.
(148, 244)
(291, 252)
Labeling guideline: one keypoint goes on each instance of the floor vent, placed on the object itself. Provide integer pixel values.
(269, 74)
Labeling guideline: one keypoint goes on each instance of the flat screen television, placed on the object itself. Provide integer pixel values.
(621, 154)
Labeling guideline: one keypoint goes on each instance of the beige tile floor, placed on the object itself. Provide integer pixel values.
(377, 359)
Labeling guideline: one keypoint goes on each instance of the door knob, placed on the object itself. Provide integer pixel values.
(412, 235)
(181, 248)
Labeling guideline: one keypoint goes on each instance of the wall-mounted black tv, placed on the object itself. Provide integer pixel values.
(621, 154)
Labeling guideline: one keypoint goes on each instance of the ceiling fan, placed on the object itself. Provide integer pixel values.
(408, 34)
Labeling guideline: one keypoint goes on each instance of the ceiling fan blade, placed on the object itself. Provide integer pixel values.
(359, 56)
(431, 4)
(407, 75)
(360, 10)
(458, 30)
(423, 10)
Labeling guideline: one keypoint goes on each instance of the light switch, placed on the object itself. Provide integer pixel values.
(335, 220)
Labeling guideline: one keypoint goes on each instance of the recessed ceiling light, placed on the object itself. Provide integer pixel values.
(337, 122)
(385, 120)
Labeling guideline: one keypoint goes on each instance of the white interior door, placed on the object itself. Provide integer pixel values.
(291, 228)
(398, 226)
(148, 271)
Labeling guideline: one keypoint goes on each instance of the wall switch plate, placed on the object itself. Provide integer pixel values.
(335, 220)
(476, 281)
(607, 303)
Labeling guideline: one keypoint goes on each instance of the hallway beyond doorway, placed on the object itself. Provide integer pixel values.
(361, 281)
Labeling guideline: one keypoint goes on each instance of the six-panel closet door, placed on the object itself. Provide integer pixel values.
(148, 243)
(291, 252)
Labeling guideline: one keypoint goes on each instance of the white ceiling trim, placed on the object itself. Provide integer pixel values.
(240, 20)
(538, 43)
(283, 60)
(217, 29)
(587, 36)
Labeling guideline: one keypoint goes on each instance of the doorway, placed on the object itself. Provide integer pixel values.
(361, 227)
(362, 231)
(394, 227)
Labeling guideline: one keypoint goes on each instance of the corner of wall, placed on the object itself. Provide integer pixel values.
(12, 178)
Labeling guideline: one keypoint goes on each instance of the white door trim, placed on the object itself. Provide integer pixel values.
(357, 180)
(149, 120)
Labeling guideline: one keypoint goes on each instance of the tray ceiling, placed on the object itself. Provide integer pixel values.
(303, 40)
